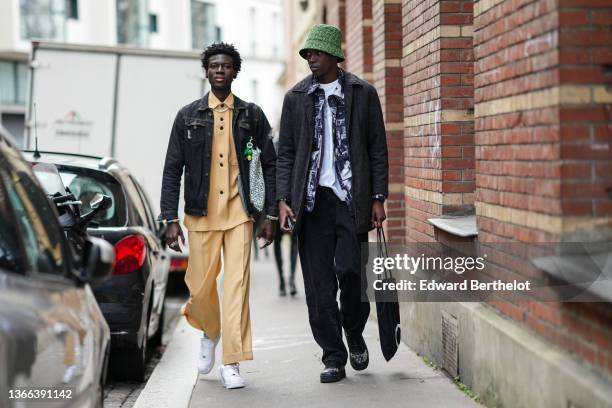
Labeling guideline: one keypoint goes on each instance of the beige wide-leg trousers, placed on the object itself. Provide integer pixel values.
(202, 308)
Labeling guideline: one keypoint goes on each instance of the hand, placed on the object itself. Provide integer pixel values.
(173, 232)
(267, 231)
(284, 213)
(378, 214)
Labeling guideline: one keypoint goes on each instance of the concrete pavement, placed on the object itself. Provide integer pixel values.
(285, 372)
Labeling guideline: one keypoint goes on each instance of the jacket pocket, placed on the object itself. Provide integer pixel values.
(196, 131)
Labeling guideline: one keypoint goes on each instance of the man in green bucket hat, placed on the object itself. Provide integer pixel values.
(332, 180)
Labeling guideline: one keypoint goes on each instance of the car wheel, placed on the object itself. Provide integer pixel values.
(156, 340)
(103, 373)
(100, 401)
(133, 361)
(130, 363)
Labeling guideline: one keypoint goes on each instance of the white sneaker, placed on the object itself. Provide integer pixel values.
(69, 373)
(206, 358)
(230, 376)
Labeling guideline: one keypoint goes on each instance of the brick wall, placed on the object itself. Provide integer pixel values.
(506, 107)
(358, 49)
(387, 54)
(542, 119)
(333, 12)
(438, 112)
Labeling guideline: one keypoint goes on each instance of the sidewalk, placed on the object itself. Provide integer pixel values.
(285, 372)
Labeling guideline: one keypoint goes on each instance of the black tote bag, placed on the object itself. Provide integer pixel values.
(388, 312)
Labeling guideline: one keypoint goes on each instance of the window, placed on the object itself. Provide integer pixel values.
(275, 35)
(42, 238)
(138, 214)
(43, 19)
(13, 82)
(147, 206)
(153, 23)
(255, 89)
(72, 11)
(252, 30)
(204, 30)
(11, 257)
(132, 22)
(85, 184)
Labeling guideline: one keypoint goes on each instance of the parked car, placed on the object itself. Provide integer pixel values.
(132, 300)
(53, 335)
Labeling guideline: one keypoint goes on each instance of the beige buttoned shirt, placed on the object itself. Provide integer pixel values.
(225, 209)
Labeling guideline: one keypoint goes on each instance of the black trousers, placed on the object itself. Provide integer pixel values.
(331, 257)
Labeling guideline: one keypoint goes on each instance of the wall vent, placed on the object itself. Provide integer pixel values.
(450, 349)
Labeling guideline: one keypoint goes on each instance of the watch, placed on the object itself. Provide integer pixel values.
(379, 197)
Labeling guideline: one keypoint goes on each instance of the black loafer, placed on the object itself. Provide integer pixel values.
(358, 352)
(332, 373)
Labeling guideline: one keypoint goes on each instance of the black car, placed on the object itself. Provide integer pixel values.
(53, 336)
(132, 300)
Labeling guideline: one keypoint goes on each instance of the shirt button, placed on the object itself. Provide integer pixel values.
(221, 119)
(221, 155)
(221, 128)
(221, 164)
(221, 191)
(223, 105)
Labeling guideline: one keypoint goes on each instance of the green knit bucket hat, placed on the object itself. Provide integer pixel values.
(326, 38)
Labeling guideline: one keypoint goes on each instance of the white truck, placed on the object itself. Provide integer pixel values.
(110, 101)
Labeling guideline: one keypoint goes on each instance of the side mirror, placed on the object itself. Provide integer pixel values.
(100, 202)
(98, 260)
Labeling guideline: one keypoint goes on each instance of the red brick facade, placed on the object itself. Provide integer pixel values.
(543, 152)
(359, 38)
(438, 112)
(387, 55)
(500, 108)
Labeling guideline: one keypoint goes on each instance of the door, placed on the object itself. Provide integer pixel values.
(54, 331)
(161, 260)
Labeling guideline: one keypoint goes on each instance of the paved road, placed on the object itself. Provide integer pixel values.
(285, 372)
(123, 394)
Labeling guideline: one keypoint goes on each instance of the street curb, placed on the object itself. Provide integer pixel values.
(172, 381)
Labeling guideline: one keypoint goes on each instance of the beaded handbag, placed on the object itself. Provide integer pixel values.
(257, 185)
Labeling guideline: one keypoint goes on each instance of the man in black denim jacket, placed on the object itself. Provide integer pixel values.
(214, 139)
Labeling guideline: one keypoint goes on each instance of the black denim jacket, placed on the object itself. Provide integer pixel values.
(192, 151)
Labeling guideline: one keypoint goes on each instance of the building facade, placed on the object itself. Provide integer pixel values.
(256, 28)
(498, 119)
(158, 24)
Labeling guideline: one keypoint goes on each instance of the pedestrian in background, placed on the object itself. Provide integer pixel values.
(256, 226)
(209, 139)
(278, 257)
(332, 180)
(278, 254)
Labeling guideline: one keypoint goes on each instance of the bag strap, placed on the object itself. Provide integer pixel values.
(382, 248)
(250, 114)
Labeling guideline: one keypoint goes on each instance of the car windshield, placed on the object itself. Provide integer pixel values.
(86, 183)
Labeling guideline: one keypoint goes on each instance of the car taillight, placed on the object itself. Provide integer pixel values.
(130, 254)
(178, 264)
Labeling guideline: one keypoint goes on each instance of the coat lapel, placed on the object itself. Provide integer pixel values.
(310, 120)
(348, 103)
